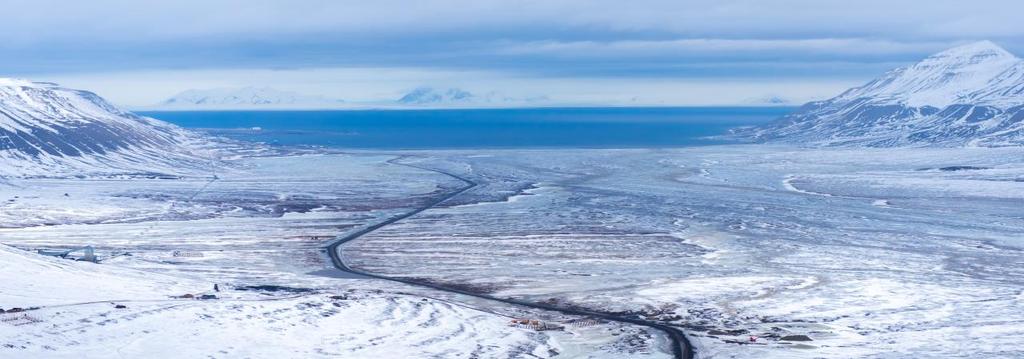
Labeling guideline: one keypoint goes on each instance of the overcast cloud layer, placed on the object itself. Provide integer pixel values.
(366, 50)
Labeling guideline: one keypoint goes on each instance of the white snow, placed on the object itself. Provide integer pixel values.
(966, 96)
(72, 315)
(869, 252)
(48, 130)
(34, 280)
(949, 77)
(185, 234)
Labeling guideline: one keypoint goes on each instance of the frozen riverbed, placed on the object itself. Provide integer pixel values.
(868, 253)
(257, 231)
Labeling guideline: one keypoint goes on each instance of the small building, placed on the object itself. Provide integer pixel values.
(88, 254)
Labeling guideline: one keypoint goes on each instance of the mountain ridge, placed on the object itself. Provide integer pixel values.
(48, 130)
(970, 95)
(249, 97)
(427, 96)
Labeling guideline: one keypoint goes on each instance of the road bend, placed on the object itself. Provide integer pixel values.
(681, 347)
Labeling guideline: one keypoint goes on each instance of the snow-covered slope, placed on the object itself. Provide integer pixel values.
(35, 280)
(47, 130)
(246, 98)
(970, 95)
(73, 315)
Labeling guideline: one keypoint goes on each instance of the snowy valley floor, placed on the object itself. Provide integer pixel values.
(909, 253)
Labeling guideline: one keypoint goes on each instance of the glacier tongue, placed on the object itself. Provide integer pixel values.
(971, 95)
(48, 130)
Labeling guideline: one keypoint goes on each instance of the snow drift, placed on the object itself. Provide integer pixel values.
(35, 280)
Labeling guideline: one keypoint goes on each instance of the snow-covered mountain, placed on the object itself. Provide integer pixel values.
(971, 95)
(48, 130)
(456, 97)
(246, 98)
(432, 96)
(771, 100)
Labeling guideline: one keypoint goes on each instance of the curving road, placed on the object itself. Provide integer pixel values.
(681, 348)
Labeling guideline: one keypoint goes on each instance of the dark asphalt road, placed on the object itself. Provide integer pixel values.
(681, 347)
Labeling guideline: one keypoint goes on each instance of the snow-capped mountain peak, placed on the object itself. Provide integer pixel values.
(975, 52)
(968, 95)
(9, 82)
(940, 80)
(50, 130)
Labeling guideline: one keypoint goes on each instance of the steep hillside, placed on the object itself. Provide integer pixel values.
(972, 95)
(47, 130)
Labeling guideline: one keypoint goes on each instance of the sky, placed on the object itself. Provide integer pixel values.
(573, 52)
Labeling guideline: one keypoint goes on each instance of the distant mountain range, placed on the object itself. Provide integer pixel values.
(456, 97)
(427, 95)
(48, 130)
(972, 95)
(258, 98)
(246, 98)
(769, 101)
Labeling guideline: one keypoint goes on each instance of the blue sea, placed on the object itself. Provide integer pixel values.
(479, 128)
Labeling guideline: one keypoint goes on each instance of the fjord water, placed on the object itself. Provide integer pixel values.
(479, 128)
